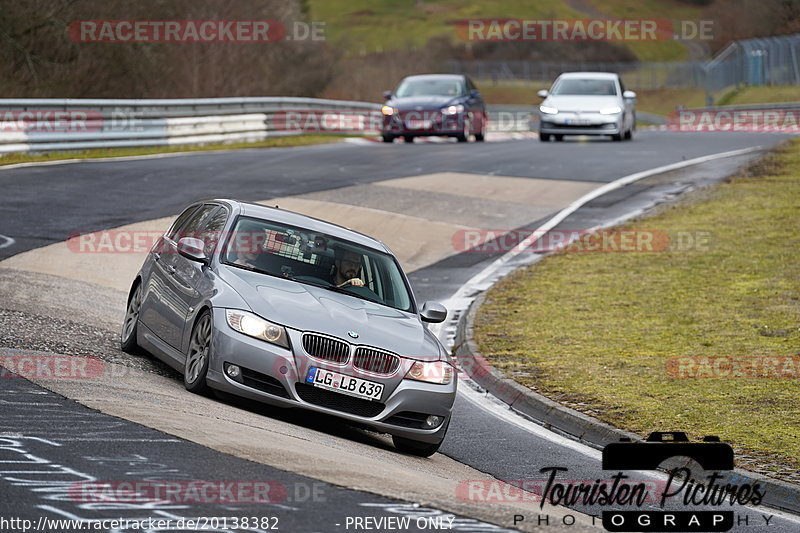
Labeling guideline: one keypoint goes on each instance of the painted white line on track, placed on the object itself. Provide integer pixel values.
(501, 410)
(5, 242)
(462, 299)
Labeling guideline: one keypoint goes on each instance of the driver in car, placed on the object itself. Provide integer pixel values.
(348, 268)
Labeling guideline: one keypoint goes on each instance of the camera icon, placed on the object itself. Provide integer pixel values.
(711, 454)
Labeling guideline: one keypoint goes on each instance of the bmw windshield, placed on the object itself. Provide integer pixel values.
(317, 259)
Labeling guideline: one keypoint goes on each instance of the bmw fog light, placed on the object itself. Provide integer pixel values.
(233, 371)
(433, 421)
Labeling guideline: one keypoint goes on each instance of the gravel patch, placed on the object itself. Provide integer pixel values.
(27, 331)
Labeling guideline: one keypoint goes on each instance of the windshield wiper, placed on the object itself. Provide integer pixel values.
(344, 290)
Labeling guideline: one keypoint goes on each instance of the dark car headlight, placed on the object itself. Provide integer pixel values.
(256, 327)
(453, 109)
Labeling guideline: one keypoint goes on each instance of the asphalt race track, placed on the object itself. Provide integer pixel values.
(411, 186)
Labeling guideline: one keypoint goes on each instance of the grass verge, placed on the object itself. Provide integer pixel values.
(761, 95)
(366, 26)
(289, 140)
(596, 331)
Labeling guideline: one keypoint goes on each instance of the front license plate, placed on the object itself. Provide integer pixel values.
(361, 388)
(578, 122)
(418, 124)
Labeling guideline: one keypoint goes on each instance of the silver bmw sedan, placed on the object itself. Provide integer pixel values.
(293, 311)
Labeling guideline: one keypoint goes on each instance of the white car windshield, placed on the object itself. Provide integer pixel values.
(315, 258)
(584, 87)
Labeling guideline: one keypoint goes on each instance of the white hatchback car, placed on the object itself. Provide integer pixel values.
(587, 103)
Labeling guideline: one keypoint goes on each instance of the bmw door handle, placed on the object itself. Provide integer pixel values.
(171, 269)
(157, 256)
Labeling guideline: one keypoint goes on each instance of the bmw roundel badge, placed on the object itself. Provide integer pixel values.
(352, 334)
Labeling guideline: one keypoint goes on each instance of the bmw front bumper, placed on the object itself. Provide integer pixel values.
(275, 375)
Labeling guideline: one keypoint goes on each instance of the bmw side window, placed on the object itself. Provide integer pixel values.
(197, 226)
(177, 226)
(195, 223)
(212, 229)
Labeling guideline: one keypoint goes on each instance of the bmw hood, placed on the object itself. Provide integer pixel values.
(428, 102)
(306, 307)
(589, 104)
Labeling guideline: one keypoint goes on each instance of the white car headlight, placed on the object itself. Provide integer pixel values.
(611, 110)
(431, 372)
(255, 326)
(546, 109)
(453, 109)
(387, 110)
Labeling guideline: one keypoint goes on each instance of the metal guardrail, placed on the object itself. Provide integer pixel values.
(34, 125)
(39, 125)
(753, 107)
(771, 117)
(30, 125)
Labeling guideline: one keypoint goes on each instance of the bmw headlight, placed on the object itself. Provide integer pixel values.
(388, 110)
(257, 327)
(611, 110)
(453, 109)
(548, 110)
(431, 372)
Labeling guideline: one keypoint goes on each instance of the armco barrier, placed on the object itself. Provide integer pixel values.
(38, 125)
(32, 125)
(29, 125)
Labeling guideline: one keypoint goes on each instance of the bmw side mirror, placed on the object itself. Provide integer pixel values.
(433, 312)
(387, 95)
(193, 249)
(543, 93)
(629, 95)
(474, 93)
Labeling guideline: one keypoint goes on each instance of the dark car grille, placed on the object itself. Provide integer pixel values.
(263, 382)
(376, 361)
(326, 348)
(338, 401)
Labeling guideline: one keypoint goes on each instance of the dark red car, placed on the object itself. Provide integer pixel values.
(434, 104)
